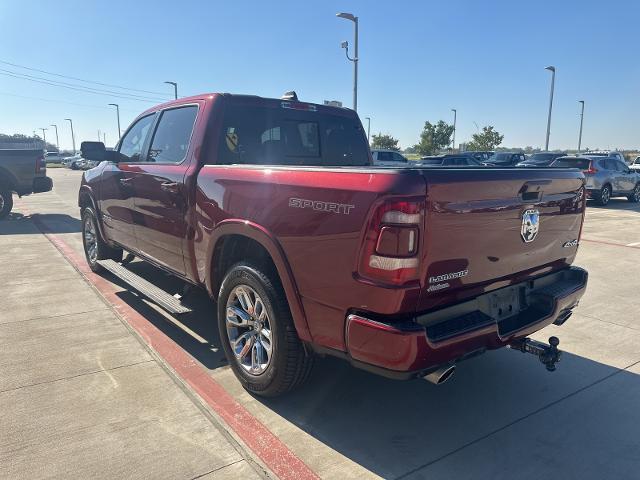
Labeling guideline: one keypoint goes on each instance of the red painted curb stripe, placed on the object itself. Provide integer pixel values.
(610, 243)
(274, 453)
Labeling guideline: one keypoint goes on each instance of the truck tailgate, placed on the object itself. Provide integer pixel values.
(489, 228)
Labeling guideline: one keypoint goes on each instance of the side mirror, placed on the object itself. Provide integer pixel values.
(96, 151)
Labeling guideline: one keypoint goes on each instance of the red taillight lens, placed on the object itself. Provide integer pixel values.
(41, 165)
(591, 169)
(390, 252)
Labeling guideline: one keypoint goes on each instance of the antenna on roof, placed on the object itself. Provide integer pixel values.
(290, 95)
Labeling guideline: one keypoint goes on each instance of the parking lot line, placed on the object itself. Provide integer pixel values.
(628, 245)
(260, 440)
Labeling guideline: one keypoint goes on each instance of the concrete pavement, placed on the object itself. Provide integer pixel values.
(501, 416)
(80, 396)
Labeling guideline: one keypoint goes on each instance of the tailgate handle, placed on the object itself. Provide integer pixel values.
(531, 191)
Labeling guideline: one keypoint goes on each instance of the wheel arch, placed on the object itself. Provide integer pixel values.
(235, 240)
(86, 199)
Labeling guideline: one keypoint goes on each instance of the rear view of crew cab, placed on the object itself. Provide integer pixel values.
(275, 208)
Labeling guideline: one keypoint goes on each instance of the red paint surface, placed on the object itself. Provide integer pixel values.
(274, 453)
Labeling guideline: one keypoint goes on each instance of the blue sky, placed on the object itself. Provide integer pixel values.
(418, 59)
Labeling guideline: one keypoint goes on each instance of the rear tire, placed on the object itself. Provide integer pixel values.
(6, 203)
(95, 248)
(604, 196)
(635, 194)
(266, 365)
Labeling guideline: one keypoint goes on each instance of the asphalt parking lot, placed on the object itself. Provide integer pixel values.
(501, 416)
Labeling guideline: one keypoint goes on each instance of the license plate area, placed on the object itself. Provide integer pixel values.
(504, 303)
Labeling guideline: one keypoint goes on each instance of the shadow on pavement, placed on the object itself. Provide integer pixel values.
(19, 224)
(501, 412)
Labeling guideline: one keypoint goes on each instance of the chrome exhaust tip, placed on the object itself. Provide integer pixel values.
(441, 375)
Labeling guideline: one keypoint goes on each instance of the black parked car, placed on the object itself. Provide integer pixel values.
(450, 160)
(541, 159)
(505, 159)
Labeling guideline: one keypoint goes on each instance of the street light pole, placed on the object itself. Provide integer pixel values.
(455, 115)
(175, 88)
(73, 138)
(118, 115)
(57, 141)
(44, 138)
(368, 119)
(355, 59)
(581, 102)
(552, 69)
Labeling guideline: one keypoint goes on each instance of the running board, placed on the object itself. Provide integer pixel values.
(158, 296)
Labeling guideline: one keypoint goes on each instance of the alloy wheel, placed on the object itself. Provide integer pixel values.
(249, 330)
(90, 239)
(636, 194)
(605, 195)
(1, 201)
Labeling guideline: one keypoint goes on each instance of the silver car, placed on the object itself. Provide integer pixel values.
(635, 165)
(606, 177)
(388, 158)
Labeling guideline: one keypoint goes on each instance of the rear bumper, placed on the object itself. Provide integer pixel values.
(414, 347)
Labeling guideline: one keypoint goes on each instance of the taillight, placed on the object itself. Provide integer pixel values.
(41, 165)
(392, 240)
(591, 169)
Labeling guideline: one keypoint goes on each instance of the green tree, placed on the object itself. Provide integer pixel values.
(384, 141)
(488, 139)
(434, 137)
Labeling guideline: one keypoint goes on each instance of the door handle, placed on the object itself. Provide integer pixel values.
(171, 187)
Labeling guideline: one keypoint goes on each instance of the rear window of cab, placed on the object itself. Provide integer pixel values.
(266, 135)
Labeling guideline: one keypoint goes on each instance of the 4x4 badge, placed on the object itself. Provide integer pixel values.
(530, 225)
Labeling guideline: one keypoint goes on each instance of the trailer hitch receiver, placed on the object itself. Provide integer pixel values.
(549, 355)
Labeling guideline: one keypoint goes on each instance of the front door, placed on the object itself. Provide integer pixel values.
(160, 194)
(626, 178)
(116, 194)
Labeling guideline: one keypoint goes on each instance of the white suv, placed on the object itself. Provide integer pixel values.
(388, 158)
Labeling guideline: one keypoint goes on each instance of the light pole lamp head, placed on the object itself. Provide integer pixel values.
(581, 101)
(113, 104)
(551, 68)
(348, 16)
(344, 44)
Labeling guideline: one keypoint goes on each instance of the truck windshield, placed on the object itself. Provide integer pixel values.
(286, 136)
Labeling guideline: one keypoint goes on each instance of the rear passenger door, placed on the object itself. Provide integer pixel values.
(160, 198)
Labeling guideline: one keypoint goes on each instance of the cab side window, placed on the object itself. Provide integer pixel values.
(172, 136)
(132, 143)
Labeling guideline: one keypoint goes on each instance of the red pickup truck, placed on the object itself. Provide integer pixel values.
(274, 207)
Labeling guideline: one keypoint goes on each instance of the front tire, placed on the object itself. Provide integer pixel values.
(258, 334)
(6, 203)
(95, 248)
(635, 194)
(604, 196)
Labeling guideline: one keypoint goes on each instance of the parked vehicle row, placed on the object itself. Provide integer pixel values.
(274, 208)
(606, 177)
